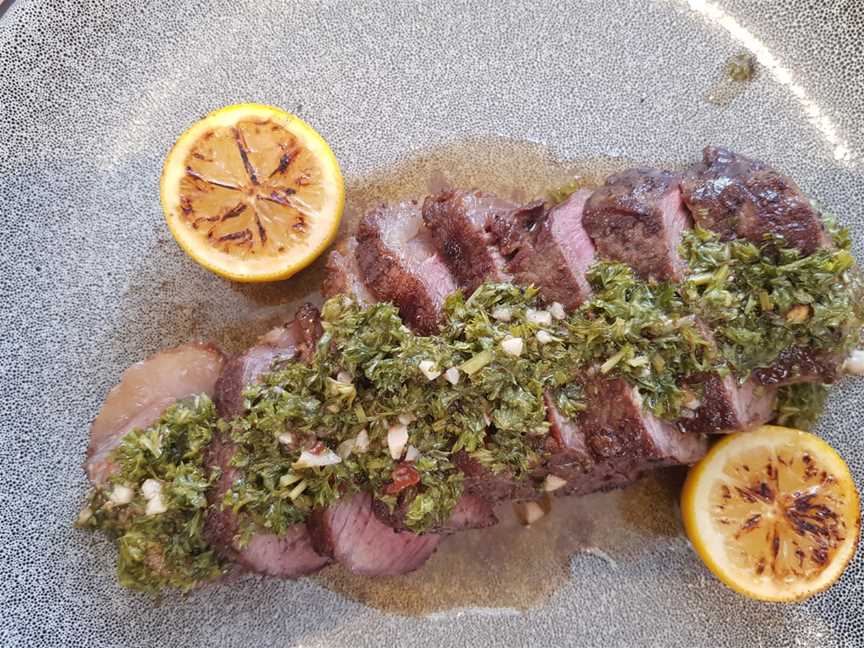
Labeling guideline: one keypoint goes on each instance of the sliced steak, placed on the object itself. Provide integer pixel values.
(613, 441)
(638, 218)
(294, 340)
(470, 512)
(342, 275)
(290, 555)
(481, 482)
(458, 222)
(557, 253)
(735, 196)
(726, 407)
(398, 263)
(798, 364)
(307, 325)
(511, 231)
(350, 532)
(144, 392)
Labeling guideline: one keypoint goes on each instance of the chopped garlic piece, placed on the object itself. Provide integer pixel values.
(855, 363)
(155, 505)
(343, 377)
(85, 514)
(502, 314)
(121, 494)
(310, 459)
(429, 369)
(411, 453)
(151, 488)
(361, 443)
(557, 311)
(452, 376)
(553, 483)
(286, 438)
(543, 337)
(397, 439)
(528, 512)
(538, 316)
(512, 346)
(345, 448)
(407, 419)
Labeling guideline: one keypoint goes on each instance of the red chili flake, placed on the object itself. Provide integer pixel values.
(318, 448)
(404, 475)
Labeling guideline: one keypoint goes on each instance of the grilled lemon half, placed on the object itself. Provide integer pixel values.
(773, 513)
(252, 193)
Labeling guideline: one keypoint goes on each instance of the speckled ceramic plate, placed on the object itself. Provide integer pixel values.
(512, 95)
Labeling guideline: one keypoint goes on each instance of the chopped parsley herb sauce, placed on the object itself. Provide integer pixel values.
(160, 468)
(383, 409)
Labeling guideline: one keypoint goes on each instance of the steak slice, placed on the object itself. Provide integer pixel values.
(294, 340)
(144, 392)
(349, 532)
(797, 364)
(513, 230)
(735, 196)
(470, 512)
(342, 275)
(638, 218)
(724, 405)
(398, 263)
(458, 221)
(492, 487)
(557, 253)
(728, 407)
(289, 555)
(614, 441)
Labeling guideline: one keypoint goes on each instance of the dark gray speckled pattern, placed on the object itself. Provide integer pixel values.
(92, 94)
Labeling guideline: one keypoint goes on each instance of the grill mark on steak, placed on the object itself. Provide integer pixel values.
(349, 532)
(736, 196)
(556, 253)
(458, 221)
(638, 218)
(398, 263)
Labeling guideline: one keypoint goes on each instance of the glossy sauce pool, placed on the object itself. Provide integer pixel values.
(507, 567)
